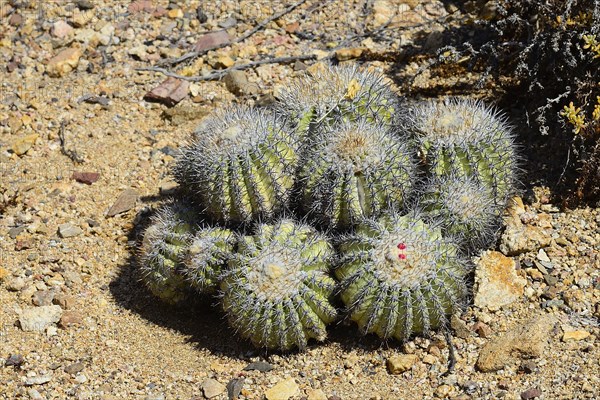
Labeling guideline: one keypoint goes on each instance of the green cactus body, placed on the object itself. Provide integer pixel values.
(354, 170)
(465, 137)
(159, 255)
(205, 257)
(399, 276)
(338, 93)
(276, 291)
(464, 208)
(240, 166)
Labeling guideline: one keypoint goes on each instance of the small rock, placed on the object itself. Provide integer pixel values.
(283, 390)
(315, 394)
(222, 62)
(65, 301)
(528, 340)
(170, 92)
(175, 13)
(71, 277)
(258, 366)
(74, 368)
(234, 388)
(139, 6)
(64, 62)
(37, 380)
(542, 256)
(497, 281)
(15, 20)
(69, 230)
(201, 15)
(125, 202)
(212, 388)
(575, 335)
(35, 395)
(60, 29)
(23, 144)
(42, 298)
(532, 393)
(85, 4)
(482, 329)
(37, 319)
(293, 27)
(401, 363)
(237, 83)
(16, 231)
(85, 177)
(348, 53)
(168, 188)
(81, 18)
(70, 318)
(228, 23)
(14, 360)
(140, 52)
(81, 378)
(3, 273)
(460, 327)
(212, 40)
(15, 284)
(518, 238)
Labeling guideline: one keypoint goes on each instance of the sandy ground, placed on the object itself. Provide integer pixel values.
(111, 338)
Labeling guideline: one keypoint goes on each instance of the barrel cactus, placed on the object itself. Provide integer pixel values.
(464, 208)
(206, 256)
(466, 137)
(334, 93)
(355, 169)
(165, 240)
(400, 276)
(240, 167)
(277, 290)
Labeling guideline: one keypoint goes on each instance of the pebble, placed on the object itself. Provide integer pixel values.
(74, 368)
(222, 62)
(401, 363)
(14, 360)
(212, 388)
(69, 230)
(259, 366)
(15, 284)
(234, 388)
(64, 62)
(518, 238)
(125, 202)
(37, 319)
(575, 335)
(168, 188)
(22, 145)
(497, 281)
(527, 340)
(532, 393)
(37, 380)
(170, 92)
(85, 177)
(42, 298)
(3, 273)
(283, 390)
(237, 83)
(346, 54)
(212, 40)
(315, 394)
(70, 318)
(60, 29)
(34, 394)
(228, 23)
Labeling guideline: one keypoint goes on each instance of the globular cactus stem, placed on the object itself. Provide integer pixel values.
(466, 137)
(338, 93)
(277, 291)
(355, 169)
(399, 276)
(240, 166)
(159, 255)
(206, 256)
(464, 207)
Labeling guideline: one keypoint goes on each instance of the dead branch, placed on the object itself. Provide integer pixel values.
(261, 25)
(221, 73)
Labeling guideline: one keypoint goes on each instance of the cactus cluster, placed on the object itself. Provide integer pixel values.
(342, 201)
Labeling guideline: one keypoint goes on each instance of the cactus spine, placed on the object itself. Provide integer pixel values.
(276, 292)
(205, 257)
(240, 166)
(400, 276)
(337, 93)
(464, 208)
(465, 137)
(354, 170)
(159, 255)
